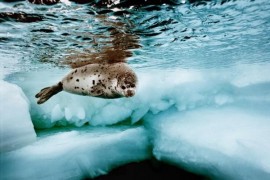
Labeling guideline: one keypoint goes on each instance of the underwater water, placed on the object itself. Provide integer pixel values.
(202, 102)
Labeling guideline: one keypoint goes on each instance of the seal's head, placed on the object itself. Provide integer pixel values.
(126, 84)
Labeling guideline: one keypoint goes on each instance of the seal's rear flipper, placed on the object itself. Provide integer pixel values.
(48, 92)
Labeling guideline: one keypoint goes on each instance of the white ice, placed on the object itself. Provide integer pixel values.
(210, 121)
(76, 154)
(157, 92)
(224, 142)
(16, 128)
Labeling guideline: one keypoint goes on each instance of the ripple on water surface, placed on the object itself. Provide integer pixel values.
(163, 34)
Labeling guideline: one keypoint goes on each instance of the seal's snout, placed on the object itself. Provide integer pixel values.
(130, 93)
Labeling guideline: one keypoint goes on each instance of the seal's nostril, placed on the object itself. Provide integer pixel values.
(130, 93)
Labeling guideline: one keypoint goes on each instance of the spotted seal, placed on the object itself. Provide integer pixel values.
(107, 81)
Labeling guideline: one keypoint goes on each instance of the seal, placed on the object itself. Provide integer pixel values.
(107, 81)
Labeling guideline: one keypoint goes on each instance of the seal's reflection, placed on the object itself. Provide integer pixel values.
(117, 47)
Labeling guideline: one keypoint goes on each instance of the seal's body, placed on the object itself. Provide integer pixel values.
(98, 80)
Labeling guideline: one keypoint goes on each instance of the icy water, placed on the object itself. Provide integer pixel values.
(203, 34)
(203, 98)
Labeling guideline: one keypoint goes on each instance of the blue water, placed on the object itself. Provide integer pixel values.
(203, 96)
(201, 35)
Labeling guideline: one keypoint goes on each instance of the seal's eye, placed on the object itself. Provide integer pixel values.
(123, 87)
(132, 85)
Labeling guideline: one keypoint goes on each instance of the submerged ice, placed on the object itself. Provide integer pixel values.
(16, 128)
(212, 122)
(157, 92)
(76, 154)
(229, 142)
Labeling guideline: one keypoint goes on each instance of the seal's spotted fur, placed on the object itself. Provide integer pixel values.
(98, 80)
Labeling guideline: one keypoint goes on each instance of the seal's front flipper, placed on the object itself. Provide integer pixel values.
(48, 92)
